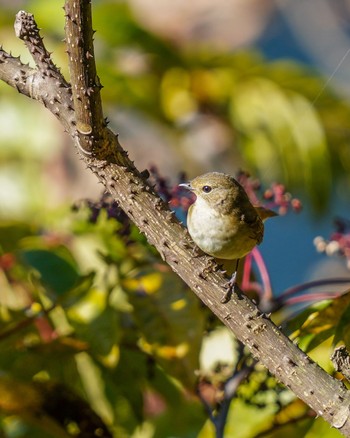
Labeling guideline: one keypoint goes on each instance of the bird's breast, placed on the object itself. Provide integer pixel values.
(219, 235)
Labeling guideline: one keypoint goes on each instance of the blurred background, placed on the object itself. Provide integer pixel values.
(190, 86)
(199, 86)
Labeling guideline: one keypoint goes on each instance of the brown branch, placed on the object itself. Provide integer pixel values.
(27, 30)
(45, 83)
(341, 361)
(15, 73)
(86, 84)
(105, 157)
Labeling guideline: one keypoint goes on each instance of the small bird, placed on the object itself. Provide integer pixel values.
(222, 221)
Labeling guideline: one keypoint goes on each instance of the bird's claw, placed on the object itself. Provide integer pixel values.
(230, 285)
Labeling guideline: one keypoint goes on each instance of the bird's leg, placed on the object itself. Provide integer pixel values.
(231, 284)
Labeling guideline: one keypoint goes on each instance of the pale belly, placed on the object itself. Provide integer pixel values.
(215, 235)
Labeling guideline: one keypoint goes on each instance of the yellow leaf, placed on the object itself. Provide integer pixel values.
(179, 304)
(172, 352)
(148, 283)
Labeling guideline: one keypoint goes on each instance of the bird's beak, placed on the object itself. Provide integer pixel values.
(186, 186)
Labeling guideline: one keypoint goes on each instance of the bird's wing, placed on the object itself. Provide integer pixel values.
(265, 213)
(255, 223)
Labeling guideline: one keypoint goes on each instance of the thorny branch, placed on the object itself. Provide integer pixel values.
(341, 361)
(78, 108)
(86, 84)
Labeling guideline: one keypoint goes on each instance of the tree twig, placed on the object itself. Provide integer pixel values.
(86, 84)
(341, 361)
(17, 327)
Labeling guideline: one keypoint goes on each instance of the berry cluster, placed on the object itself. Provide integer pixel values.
(339, 241)
(108, 204)
(180, 199)
(276, 196)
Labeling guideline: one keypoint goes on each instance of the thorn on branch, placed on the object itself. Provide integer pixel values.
(27, 30)
(341, 361)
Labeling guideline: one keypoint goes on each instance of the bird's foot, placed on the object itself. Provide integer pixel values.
(230, 285)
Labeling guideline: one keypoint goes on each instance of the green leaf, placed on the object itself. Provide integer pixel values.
(42, 359)
(11, 232)
(50, 406)
(282, 136)
(57, 274)
(318, 323)
(79, 291)
(320, 428)
(184, 420)
(290, 430)
(169, 319)
(295, 323)
(101, 334)
(124, 386)
(259, 419)
(342, 333)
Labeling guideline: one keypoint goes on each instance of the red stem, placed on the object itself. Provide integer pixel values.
(265, 278)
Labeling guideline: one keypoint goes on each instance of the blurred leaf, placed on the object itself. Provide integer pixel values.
(12, 232)
(79, 291)
(342, 332)
(139, 355)
(124, 386)
(320, 428)
(56, 273)
(51, 407)
(319, 324)
(290, 421)
(294, 324)
(290, 430)
(138, 58)
(28, 360)
(14, 294)
(138, 386)
(117, 25)
(164, 312)
(19, 397)
(281, 130)
(259, 419)
(101, 333)
(184, 420)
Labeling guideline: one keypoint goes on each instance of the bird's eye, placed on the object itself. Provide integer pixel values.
(206, 189)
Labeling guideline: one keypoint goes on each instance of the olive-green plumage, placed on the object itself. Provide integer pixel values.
(222, 221)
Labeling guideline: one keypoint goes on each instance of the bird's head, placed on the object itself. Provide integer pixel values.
(216, 189)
